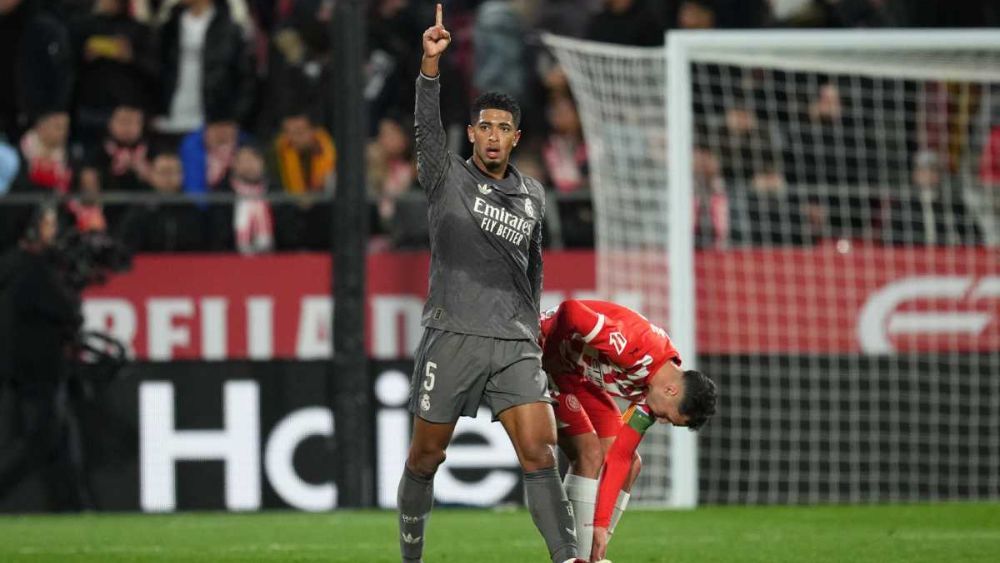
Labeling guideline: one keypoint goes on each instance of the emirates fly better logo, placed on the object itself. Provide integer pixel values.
(952, 306)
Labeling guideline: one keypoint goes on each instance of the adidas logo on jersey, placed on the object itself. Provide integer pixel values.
(484, 189)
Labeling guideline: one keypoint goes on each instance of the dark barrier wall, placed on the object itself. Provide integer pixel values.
(807, 429)
(254, 435)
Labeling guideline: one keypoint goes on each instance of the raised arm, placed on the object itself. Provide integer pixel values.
(431, 143)
(535, 262)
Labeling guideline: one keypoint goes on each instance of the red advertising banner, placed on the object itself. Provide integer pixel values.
(823, 300)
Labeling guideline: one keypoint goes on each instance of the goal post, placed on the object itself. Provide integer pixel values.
(821, 244)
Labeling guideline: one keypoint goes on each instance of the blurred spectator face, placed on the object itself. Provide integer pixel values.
(827, 104)
(125, 125)
(695, 15)
(48, 227)
(220, 134)
(705, 164)
(392, 139)
(249, 165)
(739, 121)
(563, 117)
(90, 185)
(108, 6)
(618, 6)
(7, 6)
(926, 173)
(299, 131)
(166, 175)
(53, 129)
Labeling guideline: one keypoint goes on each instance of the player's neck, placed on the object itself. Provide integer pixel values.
(500, 174)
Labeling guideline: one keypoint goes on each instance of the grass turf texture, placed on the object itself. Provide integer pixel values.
(856, 534)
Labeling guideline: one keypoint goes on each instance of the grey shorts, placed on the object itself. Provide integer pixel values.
(453, 373)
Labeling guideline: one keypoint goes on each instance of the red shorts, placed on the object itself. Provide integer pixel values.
(584, 407)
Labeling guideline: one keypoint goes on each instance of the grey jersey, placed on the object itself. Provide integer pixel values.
(486, 237)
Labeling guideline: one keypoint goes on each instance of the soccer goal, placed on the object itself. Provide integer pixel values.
(821, 244)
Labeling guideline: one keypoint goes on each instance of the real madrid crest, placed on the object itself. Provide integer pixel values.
(529, 208)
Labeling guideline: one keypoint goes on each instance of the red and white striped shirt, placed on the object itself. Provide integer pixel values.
(610, 345)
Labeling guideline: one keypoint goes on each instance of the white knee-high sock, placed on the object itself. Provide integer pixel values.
(620, 506)
(582, 494)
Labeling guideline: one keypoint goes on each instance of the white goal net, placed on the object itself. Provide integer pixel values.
(841, 192)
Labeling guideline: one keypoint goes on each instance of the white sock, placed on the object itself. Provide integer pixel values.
(620, 506)
(582, 494)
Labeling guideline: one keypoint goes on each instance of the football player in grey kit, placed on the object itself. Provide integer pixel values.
(481, 315)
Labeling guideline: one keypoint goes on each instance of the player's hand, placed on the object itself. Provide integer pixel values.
(436, 38)
(600, 546)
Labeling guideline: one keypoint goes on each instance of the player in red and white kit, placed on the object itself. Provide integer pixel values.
(591, 351)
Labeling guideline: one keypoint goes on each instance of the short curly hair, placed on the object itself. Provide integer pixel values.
(496, 100)
(700, 393)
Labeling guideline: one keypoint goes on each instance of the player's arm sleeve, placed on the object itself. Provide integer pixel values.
(574, 317)
(535, 265)
(431, 142)
(618, 462)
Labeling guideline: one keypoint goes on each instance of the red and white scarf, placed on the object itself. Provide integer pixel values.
(47, 168)
(252, 220)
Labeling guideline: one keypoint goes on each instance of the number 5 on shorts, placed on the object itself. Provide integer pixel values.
(429, 376)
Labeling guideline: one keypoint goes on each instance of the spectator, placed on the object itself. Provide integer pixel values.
(304, 163)
(305, 157)
(299, 70)
(163, 226)
(86, 209)
(626, 22)
(499, 51)
(749, 150)
(764, 212)
(206, 67)
(122, 159)
(564, 151)
(565, 17)
(43, 152)
(390, 169)
(697, 14)
(116, 63)
(252, 223)
(711, 217)
(35, 63)
(208, 153)
(392, 60)
(930, 213)
(9, 166)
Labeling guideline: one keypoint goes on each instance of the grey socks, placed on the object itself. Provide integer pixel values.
(552, 513)
(414, 499)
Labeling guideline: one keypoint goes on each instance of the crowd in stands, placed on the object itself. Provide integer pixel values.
(235, 97)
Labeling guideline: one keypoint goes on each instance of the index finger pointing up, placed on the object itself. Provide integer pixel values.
(439, 16)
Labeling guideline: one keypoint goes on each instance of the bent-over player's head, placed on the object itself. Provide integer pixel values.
(494, 131)
(681, 397)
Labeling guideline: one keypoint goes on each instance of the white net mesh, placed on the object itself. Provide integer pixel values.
(620, 95)
(848, 296)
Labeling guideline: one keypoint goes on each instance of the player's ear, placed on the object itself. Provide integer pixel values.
(673, 390)
(517, 136)
(471, 133)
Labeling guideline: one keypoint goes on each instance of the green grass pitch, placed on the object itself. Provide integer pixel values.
(856, 534)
